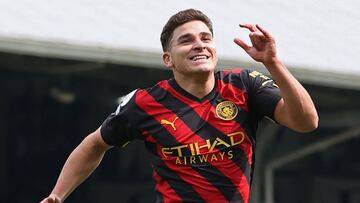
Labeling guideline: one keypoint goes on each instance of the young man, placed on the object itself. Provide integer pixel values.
(199, 127)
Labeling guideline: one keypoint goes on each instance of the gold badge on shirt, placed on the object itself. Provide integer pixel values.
(226, 110)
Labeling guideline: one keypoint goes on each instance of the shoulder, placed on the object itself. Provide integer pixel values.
(236, 76)
(140, 95)
(246, 76)
(232, 73)
(155, 92)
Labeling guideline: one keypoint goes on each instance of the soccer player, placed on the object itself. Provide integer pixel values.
(199, 127)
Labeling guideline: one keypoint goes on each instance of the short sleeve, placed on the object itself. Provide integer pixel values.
(263, 92)
(118, 128)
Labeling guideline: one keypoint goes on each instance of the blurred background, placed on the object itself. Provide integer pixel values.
(64, 64)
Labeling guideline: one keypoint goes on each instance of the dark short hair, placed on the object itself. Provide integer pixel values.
(179, 19)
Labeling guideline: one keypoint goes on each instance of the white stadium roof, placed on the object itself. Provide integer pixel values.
(318, 40)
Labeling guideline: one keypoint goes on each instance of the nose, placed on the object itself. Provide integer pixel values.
(199, 44)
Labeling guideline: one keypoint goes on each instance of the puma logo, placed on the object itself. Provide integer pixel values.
(164, 121)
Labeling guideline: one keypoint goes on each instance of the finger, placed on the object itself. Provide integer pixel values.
(242, 44)
(256, 35)
(250, 27)
(265, 32)
(252, 38)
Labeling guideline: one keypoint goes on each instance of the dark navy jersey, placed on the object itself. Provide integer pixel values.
(202, 150)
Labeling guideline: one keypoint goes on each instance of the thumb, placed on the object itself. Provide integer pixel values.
(242, 44)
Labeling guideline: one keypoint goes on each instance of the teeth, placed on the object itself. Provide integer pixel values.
(199, 57)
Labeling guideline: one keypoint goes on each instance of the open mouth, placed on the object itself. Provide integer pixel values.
(199, 57)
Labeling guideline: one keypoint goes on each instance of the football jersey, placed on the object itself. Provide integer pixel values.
(201, 150)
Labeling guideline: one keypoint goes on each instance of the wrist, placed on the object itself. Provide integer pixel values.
(56, 197)
(272, 63)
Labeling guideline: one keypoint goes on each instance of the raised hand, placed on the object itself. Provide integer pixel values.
(263, 47)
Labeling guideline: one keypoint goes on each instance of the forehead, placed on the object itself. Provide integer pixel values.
(193, 27)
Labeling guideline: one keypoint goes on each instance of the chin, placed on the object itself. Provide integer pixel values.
(207, 70)
(204, 68)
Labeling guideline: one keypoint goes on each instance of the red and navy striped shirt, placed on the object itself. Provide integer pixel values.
(202, 150)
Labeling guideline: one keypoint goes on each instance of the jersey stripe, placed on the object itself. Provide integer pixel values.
(226, 82)
(181, 186)
(244, 170)
(168, 194)
(186, 173)
(215, 176)
(241, 120)
(229, 81)
(213, 123)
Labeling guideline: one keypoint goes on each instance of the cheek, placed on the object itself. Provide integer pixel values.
(180, 55)
(212, 49)
(214, 53)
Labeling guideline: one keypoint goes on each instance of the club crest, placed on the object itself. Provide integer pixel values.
(226, 110)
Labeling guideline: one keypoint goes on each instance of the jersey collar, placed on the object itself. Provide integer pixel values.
(179, 89)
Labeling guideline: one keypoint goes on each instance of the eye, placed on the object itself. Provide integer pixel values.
(184, 41)
(207, 39)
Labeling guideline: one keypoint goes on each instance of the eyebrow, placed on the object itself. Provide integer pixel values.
(188, 35)
(182, 37)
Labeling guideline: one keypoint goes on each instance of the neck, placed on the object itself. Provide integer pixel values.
(199, 86)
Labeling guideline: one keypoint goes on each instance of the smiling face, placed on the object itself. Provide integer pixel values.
(191, 50)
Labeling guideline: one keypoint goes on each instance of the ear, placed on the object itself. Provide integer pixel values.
(167, 60)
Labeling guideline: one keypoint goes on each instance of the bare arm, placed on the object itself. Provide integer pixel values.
(79, 165)
(296, 109)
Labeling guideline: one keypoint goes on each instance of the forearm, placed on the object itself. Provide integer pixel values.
(298, 104)
(296, 110)
(80, 164)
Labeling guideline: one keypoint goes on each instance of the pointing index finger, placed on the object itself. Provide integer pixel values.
(250, 27)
